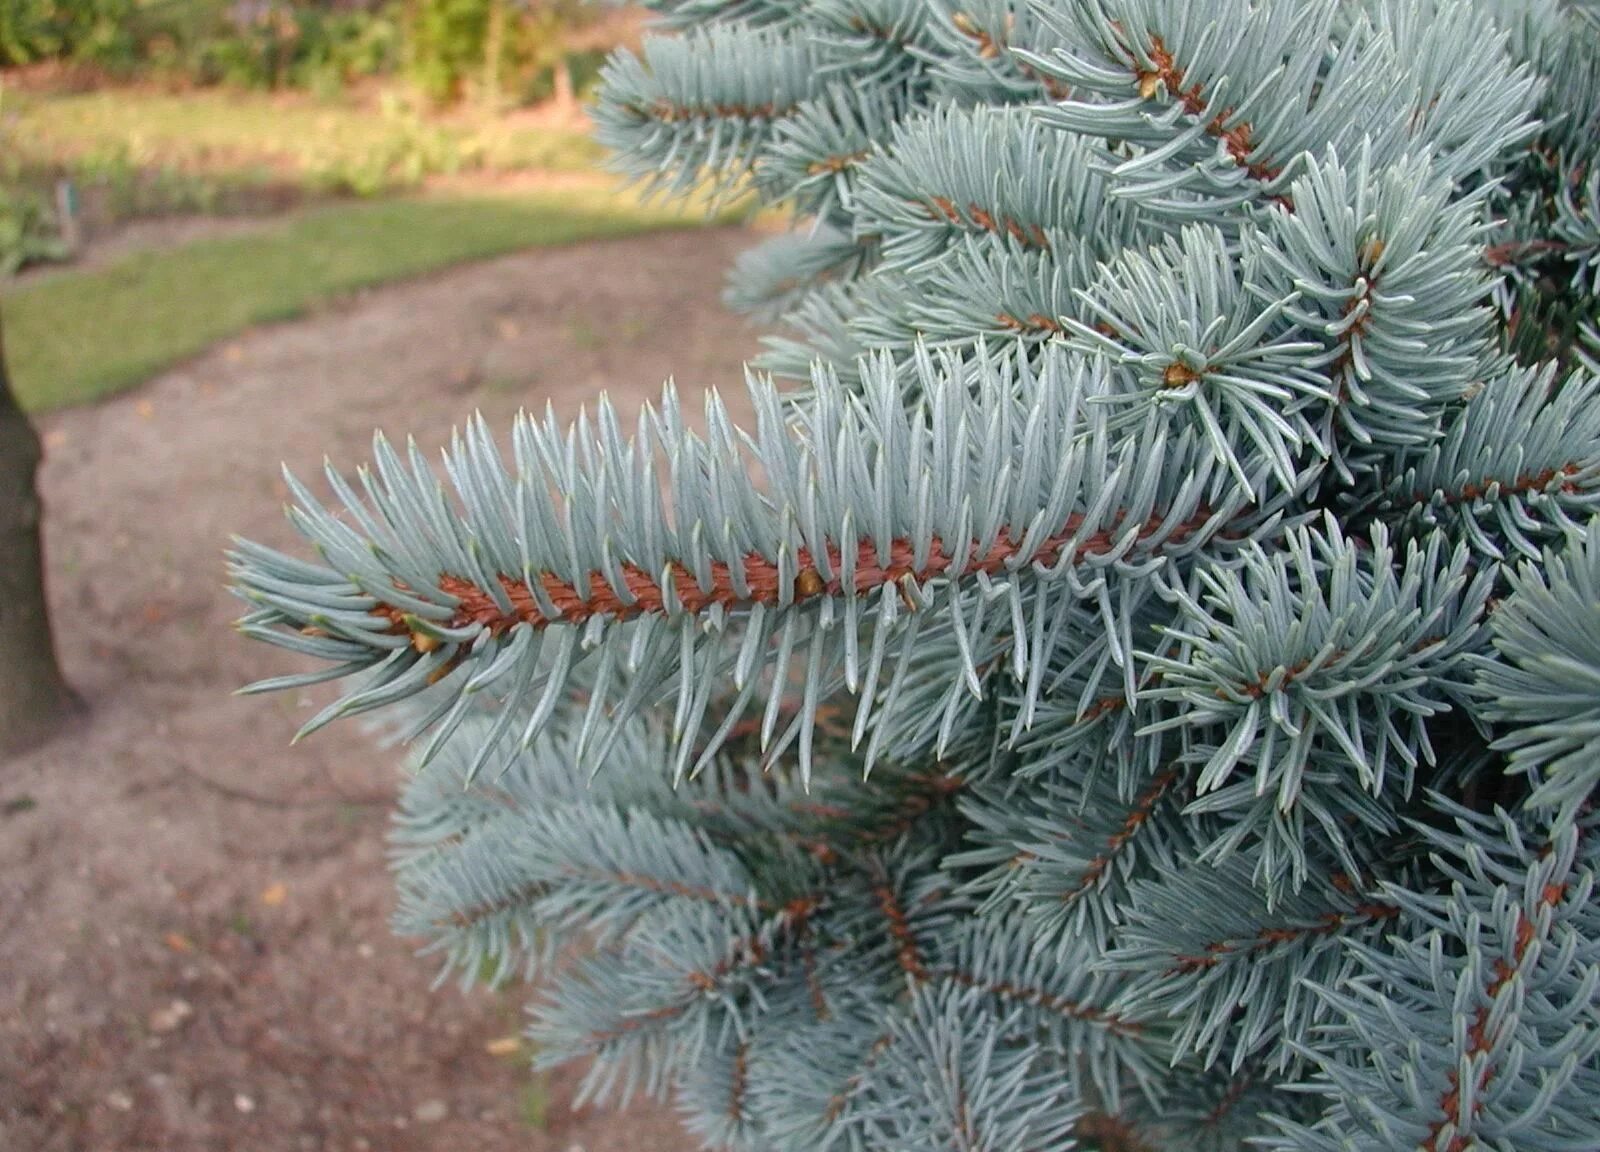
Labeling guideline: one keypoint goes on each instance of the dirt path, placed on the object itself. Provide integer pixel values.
(194, 951)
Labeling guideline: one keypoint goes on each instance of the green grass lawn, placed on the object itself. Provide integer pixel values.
(82, 335)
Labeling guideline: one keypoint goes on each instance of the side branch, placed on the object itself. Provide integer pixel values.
(670, 112)
(1037, 997)
(992, 47)
(1332, 923)
(1487, 1027)
(1235, 138)
(463, 918)
(1136, 819)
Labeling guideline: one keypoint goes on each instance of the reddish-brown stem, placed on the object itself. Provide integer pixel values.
(1135, 820)
(669, 112)
(991, 47)
(883, 32)
(1028, 235)
(1259, 689)
(1022, 994)
(1267, 937)
(1479, 1038)
(646, 595)
(1035, 322)
(1230, 1100)
(837, 163)
(1527, 482)
(1110, 1133)
(747, 951)
(808, 961)
(918, 804)
(1236, 139)
(1512, 251)
(467, 917)
(837, 1104)
(632, 1024)
(906, 950)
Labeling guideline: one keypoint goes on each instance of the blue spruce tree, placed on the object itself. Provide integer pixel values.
(1150, 698)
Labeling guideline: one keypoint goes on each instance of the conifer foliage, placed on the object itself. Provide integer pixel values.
(1150, 698)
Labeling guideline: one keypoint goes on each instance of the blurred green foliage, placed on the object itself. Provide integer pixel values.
(101, 136)
(214, 121)
(27, 230)
(445, 40)
(33, 30)
(498, 51)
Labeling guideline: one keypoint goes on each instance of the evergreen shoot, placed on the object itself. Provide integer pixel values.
(1136, 686)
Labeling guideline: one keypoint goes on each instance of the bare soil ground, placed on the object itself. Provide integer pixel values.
(194, 950)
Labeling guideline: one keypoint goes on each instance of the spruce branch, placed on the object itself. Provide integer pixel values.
(689, 14)
(1232, 983)
(1478, 1025)
(1319, 664)
(1189, 344)
(984, 171)
(1546, 680)
(949, 1083)
(1222, 111)
(1578, 227)
(1183, 92)
(980, 287)
(702, 106)
(816, 153)
(823, 327)
(977, 52)
(1473, 111)
(713, 1095)
(866, 531)
(878, 42)
(655, 1002)
(1057, 997)
(779, 273)
(1206, 1109)
(1071, 875)
(1137, 690)
(1386, 270)
(1518, 467)
(807, 1079)
(493, 896)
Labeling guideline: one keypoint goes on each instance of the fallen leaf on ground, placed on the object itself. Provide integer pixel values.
(178, 942)
(274, 894)
(505, 1046)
